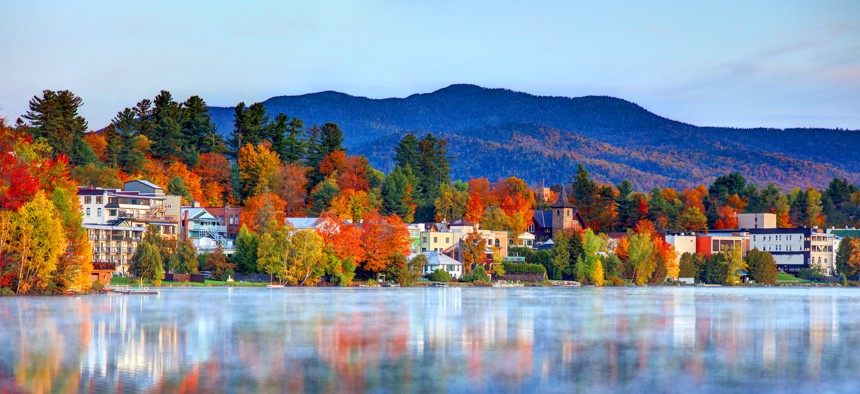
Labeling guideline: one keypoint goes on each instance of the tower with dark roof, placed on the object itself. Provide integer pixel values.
(564, 214)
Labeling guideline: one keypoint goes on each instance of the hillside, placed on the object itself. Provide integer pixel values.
(497, 132)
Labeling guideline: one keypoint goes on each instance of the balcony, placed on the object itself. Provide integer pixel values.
(214, 229)
(149, 216)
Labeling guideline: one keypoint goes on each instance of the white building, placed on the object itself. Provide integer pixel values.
(436, 260)
(206, 232)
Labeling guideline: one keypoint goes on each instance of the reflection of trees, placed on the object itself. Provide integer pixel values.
(406, 340)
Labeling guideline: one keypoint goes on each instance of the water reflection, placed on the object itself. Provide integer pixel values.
(408, 340)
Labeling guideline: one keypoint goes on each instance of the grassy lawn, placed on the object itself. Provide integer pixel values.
(135, 282)
(782, 277)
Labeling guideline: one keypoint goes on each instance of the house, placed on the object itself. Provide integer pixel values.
(541, 225)
(206, 232)
(437, 260)
(229, 217)
(713, 243)
(524, 240)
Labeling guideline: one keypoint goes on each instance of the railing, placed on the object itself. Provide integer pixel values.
(217, 229)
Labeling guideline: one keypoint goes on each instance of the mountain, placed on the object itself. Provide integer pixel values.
(497, 133)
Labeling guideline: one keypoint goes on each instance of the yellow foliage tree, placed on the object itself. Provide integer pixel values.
(39, 243)
(258, 168)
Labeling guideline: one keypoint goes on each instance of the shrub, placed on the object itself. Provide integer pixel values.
(477, 274)
(523, 268)
(440, 275)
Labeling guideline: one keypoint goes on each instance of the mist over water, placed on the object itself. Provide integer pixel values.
(249, 340)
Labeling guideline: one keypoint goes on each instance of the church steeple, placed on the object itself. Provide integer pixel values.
(562, 201)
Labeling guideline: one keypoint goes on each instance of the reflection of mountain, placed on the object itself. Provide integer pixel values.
(433, 340)
(499, 133)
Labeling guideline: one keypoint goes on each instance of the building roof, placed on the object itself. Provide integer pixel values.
(543, 219)
(548, 245)
(562, 201)
(461, 222)
(303, 223)
(145, 183)
(436, 258)
(845, 232)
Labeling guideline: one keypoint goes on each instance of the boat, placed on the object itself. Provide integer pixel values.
(274, 286)
(438, 284)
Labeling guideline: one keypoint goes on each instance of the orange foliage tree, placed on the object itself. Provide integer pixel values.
(384, 239)
(213, 169)
(351, 204)
(98, 143)
(290, 185)
(261, 210)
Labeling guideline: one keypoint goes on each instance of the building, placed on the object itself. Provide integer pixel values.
(435, 237)
(116, 219)
(205, 231)
(713, 243)
(795, 248)
(437, 260)
(541, 225)
(229, 217)
(683, 243)
(565, 216)
(756, 220)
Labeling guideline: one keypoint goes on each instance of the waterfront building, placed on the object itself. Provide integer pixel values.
(205, 231)
(116, 219)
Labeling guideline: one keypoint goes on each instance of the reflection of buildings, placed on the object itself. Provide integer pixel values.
(436, 340)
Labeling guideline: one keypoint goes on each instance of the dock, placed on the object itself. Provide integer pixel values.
(126, 289)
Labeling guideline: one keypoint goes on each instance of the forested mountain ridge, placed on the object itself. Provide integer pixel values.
(498, 133)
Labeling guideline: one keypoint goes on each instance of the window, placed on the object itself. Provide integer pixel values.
(88, 200)
(98, 199)
(447, 240)
(435, 240)
(557, 212)
(88, 212)
(111, 212)
(99, 212)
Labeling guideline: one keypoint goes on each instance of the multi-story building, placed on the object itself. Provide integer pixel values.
(795, 248)
(713, 243)
(205, 231)
(116, 219)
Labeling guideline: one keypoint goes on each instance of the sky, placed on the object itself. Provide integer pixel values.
(735, 63)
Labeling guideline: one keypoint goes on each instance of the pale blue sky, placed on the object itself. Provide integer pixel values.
(723, 63)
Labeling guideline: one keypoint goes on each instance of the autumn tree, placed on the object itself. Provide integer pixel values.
(216, 263)
(213, 170)
(39, 243)
(590, 267)
(258, 169)
(640, 252)
(473, 247)
(290, 185)
(342, 243)
(93, 175)
(734, 263)
(305, 258)
(261, 209)
(450, 203)
(383, 239)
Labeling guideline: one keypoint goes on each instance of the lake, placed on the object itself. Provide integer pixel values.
(252, 340)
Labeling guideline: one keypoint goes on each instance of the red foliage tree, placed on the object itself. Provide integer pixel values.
(384, 239)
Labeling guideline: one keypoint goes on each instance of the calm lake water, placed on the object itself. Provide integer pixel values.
(247, 340)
